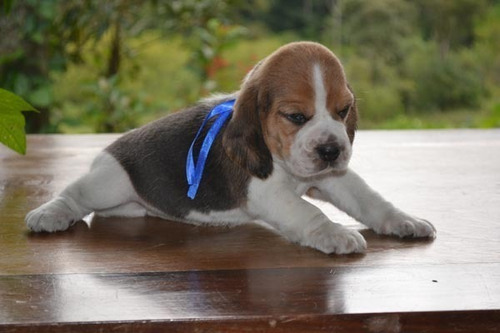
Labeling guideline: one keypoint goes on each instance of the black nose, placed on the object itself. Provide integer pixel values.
(328, 152)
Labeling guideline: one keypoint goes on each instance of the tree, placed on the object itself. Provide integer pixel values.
(307, 17)
(29, 54)
(376, 28)
(56, 31)
(208, 29)
(450, 23)
(48, 35)
(11, 119)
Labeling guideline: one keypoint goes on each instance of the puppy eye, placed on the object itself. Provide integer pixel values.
(343, 113)
(296, 118)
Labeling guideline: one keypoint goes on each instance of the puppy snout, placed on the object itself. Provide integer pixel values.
(328, 152)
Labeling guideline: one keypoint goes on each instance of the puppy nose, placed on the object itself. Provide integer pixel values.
(328, 152)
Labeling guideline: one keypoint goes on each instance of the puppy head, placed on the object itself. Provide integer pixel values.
(296, 108)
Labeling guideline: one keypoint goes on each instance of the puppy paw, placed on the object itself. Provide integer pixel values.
(52, 216)
(403, 225)
(334, 238)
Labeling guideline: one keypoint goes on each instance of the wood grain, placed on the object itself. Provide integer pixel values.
(447, 322)
(287, 292)
(148, 274)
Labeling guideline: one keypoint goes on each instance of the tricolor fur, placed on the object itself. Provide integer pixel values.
(290, 135)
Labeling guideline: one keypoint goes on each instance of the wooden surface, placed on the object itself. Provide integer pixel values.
(148, 274)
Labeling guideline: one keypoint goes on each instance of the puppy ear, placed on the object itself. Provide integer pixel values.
(243, 139)
(351, 122)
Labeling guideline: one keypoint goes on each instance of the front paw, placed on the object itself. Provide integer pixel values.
(403, 225)
(334, 238)
(50, 217)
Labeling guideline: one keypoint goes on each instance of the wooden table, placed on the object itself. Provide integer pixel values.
(148, 274)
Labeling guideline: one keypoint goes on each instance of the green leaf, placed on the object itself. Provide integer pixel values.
(12, 132)
(12, 121)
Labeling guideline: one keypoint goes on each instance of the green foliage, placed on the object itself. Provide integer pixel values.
(308, 19)
(211, 41)
(113, 65)
(407, 64)
(450, 23)
(206, 26)
(7, 5)
(376, 101)
(12, 121)
(444, 84)
(492, 119)
(389, 22)
(57, 32)
(36, 48)
(487, 32)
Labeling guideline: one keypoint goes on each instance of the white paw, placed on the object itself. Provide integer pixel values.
(52, 216)
(334, 238)
(403, 225)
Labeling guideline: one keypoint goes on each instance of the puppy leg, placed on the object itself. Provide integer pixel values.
(130, 209)
(276, 203)
(106, 186)
(351, 194)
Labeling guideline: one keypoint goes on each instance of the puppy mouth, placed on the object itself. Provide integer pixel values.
(319, 168)
(336, 166)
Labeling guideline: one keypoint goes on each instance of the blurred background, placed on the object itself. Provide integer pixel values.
(109, 66)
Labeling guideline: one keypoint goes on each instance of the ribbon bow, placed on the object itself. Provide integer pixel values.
(195, 172)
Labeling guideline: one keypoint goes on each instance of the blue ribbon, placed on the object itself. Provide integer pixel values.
(194, 173)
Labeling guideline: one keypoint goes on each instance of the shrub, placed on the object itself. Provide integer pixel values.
(377, 101)
(444, 83)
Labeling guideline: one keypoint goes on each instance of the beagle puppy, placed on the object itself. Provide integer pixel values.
(290, 134)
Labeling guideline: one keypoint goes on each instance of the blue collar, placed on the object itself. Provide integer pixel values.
(194, 173)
